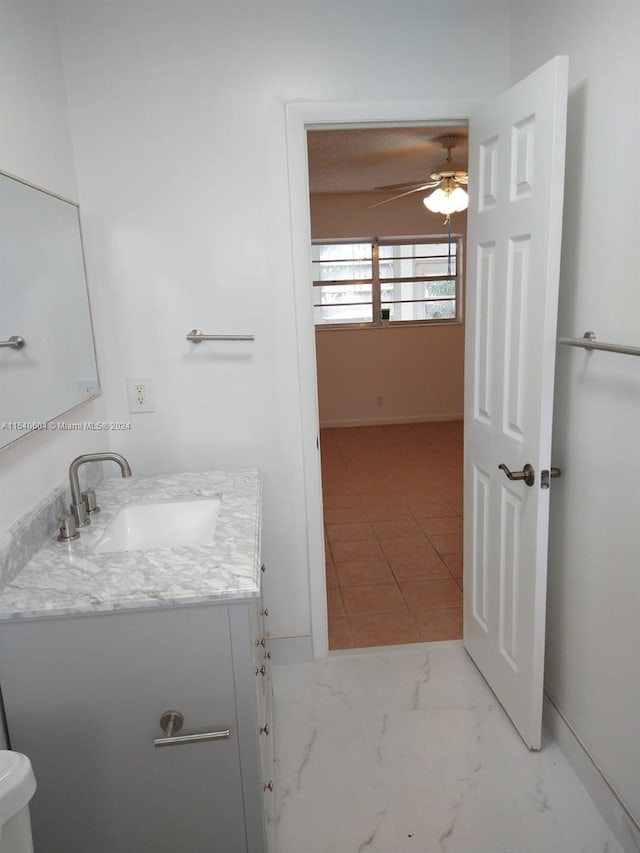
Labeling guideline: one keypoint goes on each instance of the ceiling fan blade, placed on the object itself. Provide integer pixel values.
(421, 188)
(407, 186)
(389, 188)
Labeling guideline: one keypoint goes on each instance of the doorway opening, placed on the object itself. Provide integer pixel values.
(516, 224)
(301, 118)
(390, 391)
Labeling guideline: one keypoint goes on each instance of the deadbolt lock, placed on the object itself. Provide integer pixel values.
(547, 475)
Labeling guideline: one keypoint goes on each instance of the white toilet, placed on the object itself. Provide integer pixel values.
(17, 786)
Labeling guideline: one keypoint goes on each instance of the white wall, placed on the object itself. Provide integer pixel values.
(392, 374)
(179, 134)
(179, 129)
(35, 144)
(593, 645)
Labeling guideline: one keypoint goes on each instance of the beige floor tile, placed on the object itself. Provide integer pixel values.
(340, 633)
(437, 508)
(336, 487)
(438, 526)
(402, 485)
(363, 572)
(346, 515)
(381, 497)
(334, 603)
(426, 493)
(407, 547)
(382, 629)
(396, 529)
(349, 532)
(430, 595)
(447, 543)
(454, 564)
(457, 504)
(340, 501)
(345, 552)
(332, 578)
(368, 485)
(379, 598)
(388, 512)
(416, 569)
(437, 625)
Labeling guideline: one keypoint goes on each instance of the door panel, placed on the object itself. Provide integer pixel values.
(516, 156)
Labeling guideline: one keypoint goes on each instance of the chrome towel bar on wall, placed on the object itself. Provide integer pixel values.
(15, 342)
(197, 337)
(590, 342)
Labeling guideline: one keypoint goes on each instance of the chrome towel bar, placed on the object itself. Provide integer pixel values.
(197, 337)
(590, 342)
(15, 342)
(172, 721)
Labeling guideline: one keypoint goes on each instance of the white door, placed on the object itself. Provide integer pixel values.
(516, 168)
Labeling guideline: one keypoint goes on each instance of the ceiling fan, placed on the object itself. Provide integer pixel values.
(448, 184)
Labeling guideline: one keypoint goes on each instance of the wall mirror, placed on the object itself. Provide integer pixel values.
(47, 356)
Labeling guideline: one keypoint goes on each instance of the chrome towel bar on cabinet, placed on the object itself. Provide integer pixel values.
(172, 721)
(590, 342)
(197, 337)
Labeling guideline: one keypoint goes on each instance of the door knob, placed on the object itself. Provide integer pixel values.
(527, 474)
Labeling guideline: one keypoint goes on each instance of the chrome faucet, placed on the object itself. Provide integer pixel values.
(80, 507)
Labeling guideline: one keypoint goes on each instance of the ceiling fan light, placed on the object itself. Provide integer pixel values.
(460, 199)
(447, 201)
(435, 201)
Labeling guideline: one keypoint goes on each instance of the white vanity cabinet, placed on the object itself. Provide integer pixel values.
(83, 698)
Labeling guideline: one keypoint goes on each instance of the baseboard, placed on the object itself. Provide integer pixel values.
(617, 815)
(412, 419)
(291, 649)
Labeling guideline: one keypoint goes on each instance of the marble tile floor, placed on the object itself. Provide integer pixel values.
(406, 750)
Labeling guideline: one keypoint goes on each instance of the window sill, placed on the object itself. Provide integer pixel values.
(386, 324)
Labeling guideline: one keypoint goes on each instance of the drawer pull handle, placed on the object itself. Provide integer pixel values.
(260, 642)
(264, 730)
(172, 721)
(261, 670)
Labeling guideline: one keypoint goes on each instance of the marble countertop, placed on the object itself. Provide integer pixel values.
(68, 578)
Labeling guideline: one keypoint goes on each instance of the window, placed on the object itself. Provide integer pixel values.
(415, 278)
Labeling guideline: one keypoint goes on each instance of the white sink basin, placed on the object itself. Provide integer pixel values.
(161, 524)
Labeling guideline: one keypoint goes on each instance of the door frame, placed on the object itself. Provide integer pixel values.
(300, 117)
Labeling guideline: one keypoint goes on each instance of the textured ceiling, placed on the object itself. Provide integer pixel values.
(363, 159)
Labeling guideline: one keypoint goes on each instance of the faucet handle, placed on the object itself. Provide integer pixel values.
(89, 500)
(67, 528)
(80, 514)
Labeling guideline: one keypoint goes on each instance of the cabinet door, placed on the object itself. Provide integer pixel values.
(83, 700)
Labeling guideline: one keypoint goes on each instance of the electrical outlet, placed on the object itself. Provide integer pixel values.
(140, 395)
